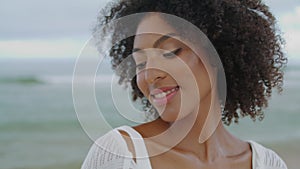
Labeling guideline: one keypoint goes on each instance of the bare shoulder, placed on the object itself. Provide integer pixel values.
(152, 128)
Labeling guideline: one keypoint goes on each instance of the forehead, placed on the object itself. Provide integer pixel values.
(151, 28)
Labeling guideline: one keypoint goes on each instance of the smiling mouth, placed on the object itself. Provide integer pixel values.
(163, 95)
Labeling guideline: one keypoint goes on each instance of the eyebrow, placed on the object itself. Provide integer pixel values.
(158, 41)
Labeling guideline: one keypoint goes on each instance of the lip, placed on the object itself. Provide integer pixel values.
(167, 98)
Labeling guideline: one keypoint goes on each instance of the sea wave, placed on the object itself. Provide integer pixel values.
(21, 80)
(55, 79)
(291, 78)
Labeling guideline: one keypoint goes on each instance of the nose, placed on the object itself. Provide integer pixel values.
(152, 75)
(154, 70)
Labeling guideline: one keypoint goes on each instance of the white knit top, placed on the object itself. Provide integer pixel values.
(111, 152)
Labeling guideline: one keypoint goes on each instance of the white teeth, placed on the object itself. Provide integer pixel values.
(160, 95)
(163, 94)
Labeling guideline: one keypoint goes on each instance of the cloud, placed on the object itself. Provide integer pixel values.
(290, 24)
(291, 19)
(59, 28)
(40, 48)
(37, 19)
(279, 7)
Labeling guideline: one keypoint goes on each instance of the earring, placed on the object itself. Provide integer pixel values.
(151, 114)
(149, 109)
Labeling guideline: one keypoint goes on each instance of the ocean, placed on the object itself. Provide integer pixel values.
(39, 128)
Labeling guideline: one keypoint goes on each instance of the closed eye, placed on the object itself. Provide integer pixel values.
(167, 55)
(173, 53)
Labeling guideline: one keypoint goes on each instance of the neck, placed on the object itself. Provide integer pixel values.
(207, 138)
(219, 144)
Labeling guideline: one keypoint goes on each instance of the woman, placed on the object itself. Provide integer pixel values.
(183, 84)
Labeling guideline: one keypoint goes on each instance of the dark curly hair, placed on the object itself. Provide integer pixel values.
(243, 32)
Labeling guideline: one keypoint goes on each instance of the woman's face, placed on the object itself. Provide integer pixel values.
(169, 73)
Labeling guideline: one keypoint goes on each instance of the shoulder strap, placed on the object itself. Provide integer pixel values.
(266, 158)
(141, 152)
(254, 154)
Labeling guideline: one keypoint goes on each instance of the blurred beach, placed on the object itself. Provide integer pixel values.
(39, 128)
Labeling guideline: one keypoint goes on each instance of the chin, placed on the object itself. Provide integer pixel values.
(171, 116)
(167, 115)
(169, 119)
(187, 115)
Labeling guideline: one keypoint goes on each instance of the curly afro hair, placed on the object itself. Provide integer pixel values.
(243, 32)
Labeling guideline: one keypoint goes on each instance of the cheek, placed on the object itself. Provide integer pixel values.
(203, 79)
(199, 73)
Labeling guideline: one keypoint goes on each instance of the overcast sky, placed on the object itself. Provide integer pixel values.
(60, 28)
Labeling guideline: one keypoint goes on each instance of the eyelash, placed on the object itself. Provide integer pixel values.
(167, 55)
(173, 53)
